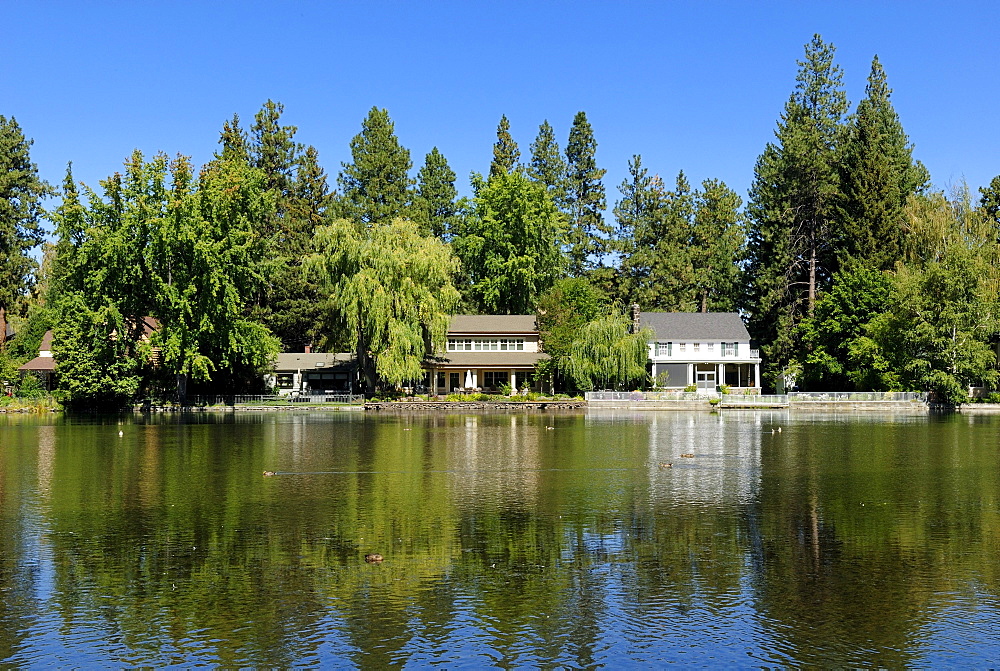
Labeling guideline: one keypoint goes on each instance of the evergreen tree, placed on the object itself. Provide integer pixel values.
(233, 141)
(877, 176)
(70, 219)
(718, 242)
(435, 206)
(21, 195)
(274, 151)
(509, 245)
(295, 313)
(989, 203)
(655, 229)
(793, 206)
(506, 155)
(376, 184)
(547, 165)
(587, 239)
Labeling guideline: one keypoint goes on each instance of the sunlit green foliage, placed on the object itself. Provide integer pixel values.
(21, 194)
(375, 185)
(509, 245)
(392, 286)
(560, 314)
(588, 233)
(608, 355)
(792, 206)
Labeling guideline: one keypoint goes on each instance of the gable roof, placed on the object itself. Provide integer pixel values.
(696, 325)
(313, 360)
(492, 324)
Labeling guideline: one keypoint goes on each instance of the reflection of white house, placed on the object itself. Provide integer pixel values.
(486, 352)
(705, 349)
(304, 372)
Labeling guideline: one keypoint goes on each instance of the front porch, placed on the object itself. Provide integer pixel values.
(708, 377)
(494, 380)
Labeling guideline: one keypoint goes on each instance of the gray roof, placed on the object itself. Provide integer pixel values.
(723, 326)
(302, 361)
(461, 324)
(488, 360)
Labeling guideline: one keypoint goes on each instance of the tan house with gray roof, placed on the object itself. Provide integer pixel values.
(486, 353)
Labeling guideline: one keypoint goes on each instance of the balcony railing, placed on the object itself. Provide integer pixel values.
(707, 354)
(849, 396)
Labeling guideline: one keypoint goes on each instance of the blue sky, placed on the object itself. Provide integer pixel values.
(696, 86)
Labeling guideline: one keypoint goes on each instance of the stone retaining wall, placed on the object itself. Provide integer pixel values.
(463, 406)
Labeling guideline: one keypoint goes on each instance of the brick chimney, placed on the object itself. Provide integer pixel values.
(636, 318)
(309, 348)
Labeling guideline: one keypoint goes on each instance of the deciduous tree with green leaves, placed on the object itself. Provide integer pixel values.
(392, 286)
(509, 244)
(560, 313)
(608, 355)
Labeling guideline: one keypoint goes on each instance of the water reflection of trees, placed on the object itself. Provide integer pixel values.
(515, 544)
(865, 529)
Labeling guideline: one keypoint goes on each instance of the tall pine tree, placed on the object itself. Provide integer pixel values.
(547, 165)
(718, 242)
(21, 194)
(585, 199)
(877, 176)
(435, 206)
(506, 155)
(793, 206)
(375, 185)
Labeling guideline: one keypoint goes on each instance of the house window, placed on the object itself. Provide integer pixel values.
(664, 348)
(696, 347)
(485, 344)
(711, 347)
(495, 378)
(453, 381)
(730, 348)
(682, 347)
(285, 380)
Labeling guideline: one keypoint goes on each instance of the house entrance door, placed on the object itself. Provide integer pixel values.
(706, 381)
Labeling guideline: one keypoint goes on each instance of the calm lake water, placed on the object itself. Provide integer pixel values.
(838, 541)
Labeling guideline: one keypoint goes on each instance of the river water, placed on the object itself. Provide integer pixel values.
(524, 540)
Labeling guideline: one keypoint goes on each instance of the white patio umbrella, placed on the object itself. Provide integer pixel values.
(468, 379)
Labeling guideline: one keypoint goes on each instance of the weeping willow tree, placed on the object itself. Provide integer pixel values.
(606, 355)
(392, 287)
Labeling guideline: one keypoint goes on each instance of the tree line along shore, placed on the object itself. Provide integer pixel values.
(851, 270)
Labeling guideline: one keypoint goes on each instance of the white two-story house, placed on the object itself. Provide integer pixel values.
(704, 349)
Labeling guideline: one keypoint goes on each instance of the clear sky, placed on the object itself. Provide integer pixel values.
(696, 86)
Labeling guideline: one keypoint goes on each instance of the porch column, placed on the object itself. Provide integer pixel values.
(690, 374)
(720, 374)
(475, 378)
(513, 381)
(434, 381)
(756, 375)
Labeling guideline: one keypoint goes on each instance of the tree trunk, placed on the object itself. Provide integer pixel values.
(3, 328)
(181, 388)
(812, 278)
